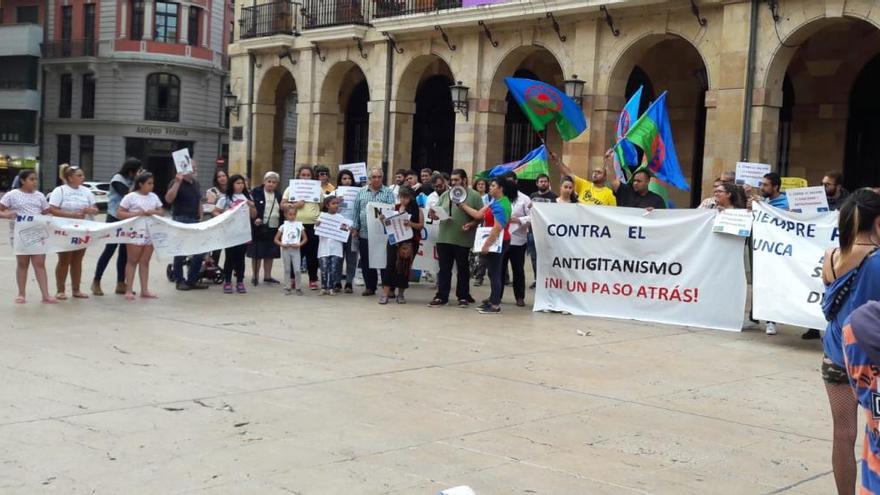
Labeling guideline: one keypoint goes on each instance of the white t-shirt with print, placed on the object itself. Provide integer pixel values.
(23, 203)
(135, 201)
(291, 232)
(224, 204)
(70, 199)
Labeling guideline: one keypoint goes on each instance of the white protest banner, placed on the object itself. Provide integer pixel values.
(41, 234)
(733, 222)
(426, 258)
(787, 250)
(305, 190)
(376, 235)
(182, 161)
(807, 199)
(751, 173)
(346, 195)
(359, 170)
(396, 228)
(333, 227)
(171, 238)
(665, 266)
(482, 234)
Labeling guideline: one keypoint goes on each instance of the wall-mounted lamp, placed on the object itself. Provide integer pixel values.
(230, 101)
(574, 89)
(460, 101)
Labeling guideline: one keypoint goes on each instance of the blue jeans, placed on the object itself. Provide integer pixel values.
(107, 254)
(330, 271)
(195, 261)
(495, 267)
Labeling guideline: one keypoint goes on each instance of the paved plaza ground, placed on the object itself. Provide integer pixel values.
(200, 392)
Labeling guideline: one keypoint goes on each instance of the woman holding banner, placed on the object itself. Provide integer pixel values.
(307, 213)
(27, 201)
(852, 278)
(141, 202)
(497, 216)
(71, 200)
(236, 193)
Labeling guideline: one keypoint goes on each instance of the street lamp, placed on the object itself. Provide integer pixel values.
(460, 101)
(574, 89)
(230, 101)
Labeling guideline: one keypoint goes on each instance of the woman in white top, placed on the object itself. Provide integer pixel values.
(236, 193)
(26, 201)
(141, 202)
(71, 200)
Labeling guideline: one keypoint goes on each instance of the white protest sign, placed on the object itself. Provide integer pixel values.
(787, 253)
(426, 258)
(376, 235)
(482, 234)
(305, 190)
(733, 222)
(347, 195)
(807, 199)
(359, 170)
(666, 266)
(170, 238)
(182, 161)
(439, 211)
(396, 228)
(333, 227)
(292, 233)
(41, 234)
(751, 173)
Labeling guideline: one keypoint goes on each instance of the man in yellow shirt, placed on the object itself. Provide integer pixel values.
(592, 192)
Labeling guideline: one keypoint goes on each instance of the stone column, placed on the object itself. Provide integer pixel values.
(183, 24)
(376, 110)
(485, 131)
(265, 140)
(603, 133)
(148, 20)
(400, 144)
(764, 143)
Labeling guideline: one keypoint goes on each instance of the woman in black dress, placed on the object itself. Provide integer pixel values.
(401, 255)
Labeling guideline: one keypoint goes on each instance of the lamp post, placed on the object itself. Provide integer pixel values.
(574, 89)
(230, 101)
(460, 101)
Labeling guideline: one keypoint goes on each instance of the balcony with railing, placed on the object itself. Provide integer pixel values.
(70, 48)
(269, 19)
(328, 13)
(393, 8)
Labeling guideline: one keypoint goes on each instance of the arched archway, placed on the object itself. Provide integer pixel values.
(510, 136)
(343, 115)
(819, 81)
(275, 124)
(670, 63)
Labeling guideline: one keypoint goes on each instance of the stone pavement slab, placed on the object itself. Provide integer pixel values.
(204, 393)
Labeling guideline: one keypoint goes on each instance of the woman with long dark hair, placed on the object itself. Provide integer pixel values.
(140, 202)
(120, 185)
(566, 191)
(497, 216)
(400, 256)
(236, 193)
(852, 277)
(350, 248)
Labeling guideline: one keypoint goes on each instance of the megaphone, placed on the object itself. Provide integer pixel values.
(458, 194)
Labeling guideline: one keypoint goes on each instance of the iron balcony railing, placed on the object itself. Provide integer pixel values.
(269, 19)
(392, 8)
(163, 114)
(326, 13)
(70, 48)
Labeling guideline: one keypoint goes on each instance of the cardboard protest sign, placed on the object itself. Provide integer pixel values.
(333, 227)
(664, 266)
(376, 235)
(807, 199)
(358, 170)
(305, 190)
(751, 173)
(182, 161)
(733, 222)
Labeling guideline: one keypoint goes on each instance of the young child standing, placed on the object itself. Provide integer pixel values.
(27, 201)
(236, 193)
(330, 252)
(290, 237)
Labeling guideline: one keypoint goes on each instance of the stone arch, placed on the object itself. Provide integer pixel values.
(512, 60)
(415, 72)
(342, 130)
(821, 58)
(274, 123)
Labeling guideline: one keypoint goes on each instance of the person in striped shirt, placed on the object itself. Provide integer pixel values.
(376, 192)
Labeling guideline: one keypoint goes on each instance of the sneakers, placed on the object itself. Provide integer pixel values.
(299, 292)
(96, 288)
(770, 329)
(239, 287)
(348, 289)
(811, 334)
(181, 286)
(287, 291)
(313, 285)
(383, 299)
(227, 288)
(325, 292)
(437, 302)
(463, 303)
(489, 310)
(401, 299)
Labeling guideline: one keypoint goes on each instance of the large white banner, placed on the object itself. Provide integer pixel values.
(41, 234)
(376, 238)
(426, 258)
(787, 250)
(665, 266)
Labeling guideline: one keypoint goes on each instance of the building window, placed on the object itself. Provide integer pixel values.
(27, 15)
(89, 21)
(163, 97)
(63, 149)
(193, 29)
(87, 155)
(137, 20)
(66, 96)
(19, 72)
(66, 30)
(18, 126)
(87, 111)
(166, 22)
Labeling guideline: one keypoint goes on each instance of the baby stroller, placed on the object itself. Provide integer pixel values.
(209, 271)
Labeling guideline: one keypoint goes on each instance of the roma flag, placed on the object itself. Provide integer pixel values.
(625, 155)
(653, 134)
(529, 168)
(544, 104)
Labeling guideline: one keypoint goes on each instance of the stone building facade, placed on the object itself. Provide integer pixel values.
(786, 83)
(134, 78)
